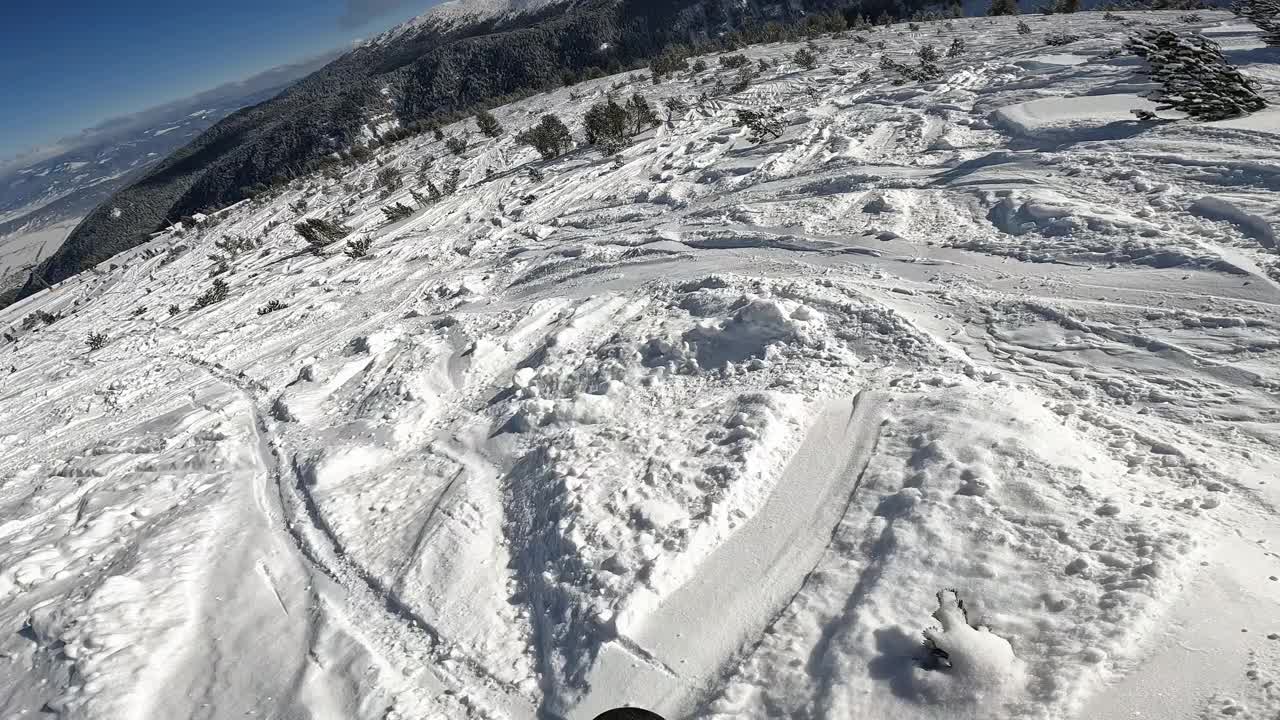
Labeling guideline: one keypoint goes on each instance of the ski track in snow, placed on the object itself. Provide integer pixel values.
(576, 438)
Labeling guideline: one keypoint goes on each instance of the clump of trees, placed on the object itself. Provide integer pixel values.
(610, 126)
(1194, 76)
(733, 62)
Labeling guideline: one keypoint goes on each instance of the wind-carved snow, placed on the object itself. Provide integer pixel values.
(704, 427)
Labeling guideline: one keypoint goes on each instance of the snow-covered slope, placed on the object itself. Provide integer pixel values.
(711, 427)
(454, 13)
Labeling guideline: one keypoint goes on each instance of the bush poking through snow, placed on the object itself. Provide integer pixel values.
(733, 62)
(966, 664)
(215, 294)
(174, 310)
(1023, 28)
(550, 137)
(488, 124)
(357, 249)
(271, 307)
(763, 124)
(805, 59)
(1194, 76)
(388, 180)
(956, 49)
(1059, 39)
(456, 145)
(1189, 18)
(319, 233)
(397, 212)
(96, 341)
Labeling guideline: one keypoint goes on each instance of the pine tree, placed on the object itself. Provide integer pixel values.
(550, 137)
(641, 113)
(488, 124)
(1003, 7)
(607, 125)
(1194, 76)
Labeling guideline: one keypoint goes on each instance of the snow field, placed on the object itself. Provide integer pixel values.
(985, 334)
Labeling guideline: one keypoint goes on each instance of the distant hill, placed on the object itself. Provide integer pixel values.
(458, 57)
(53, 186)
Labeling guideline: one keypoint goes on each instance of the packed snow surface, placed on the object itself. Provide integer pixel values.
(721, 429)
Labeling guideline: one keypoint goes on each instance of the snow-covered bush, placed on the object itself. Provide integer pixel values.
(805, 59)
(1194, 76)
(456, 145)
(96, 341)
(966, 664)
(272, 306)
(1059, 39)
(215, 294)
(956, 49)
(397, 212)
(318, 232)
(762, 124)
(1023, 28)
(357, 249)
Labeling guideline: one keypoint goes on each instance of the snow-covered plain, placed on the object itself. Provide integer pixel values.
(712, 427)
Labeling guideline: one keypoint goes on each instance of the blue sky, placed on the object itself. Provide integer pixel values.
(68, 64)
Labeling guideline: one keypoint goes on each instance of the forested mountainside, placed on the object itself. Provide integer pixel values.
(437, 69)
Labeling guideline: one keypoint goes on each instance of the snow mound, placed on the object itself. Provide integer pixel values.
(972, 664)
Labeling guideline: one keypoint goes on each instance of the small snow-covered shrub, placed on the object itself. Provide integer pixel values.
(1189, 18)
(215, 294)
(956, 49)
(805, 58)
(456, 145)
(966, 664)
(762, 124)
(1023, 28)
(96, 340)
(1059, 39)
(357, 249)
(1194, 76)
(271, 307)
(397, 212)
(319, 233)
